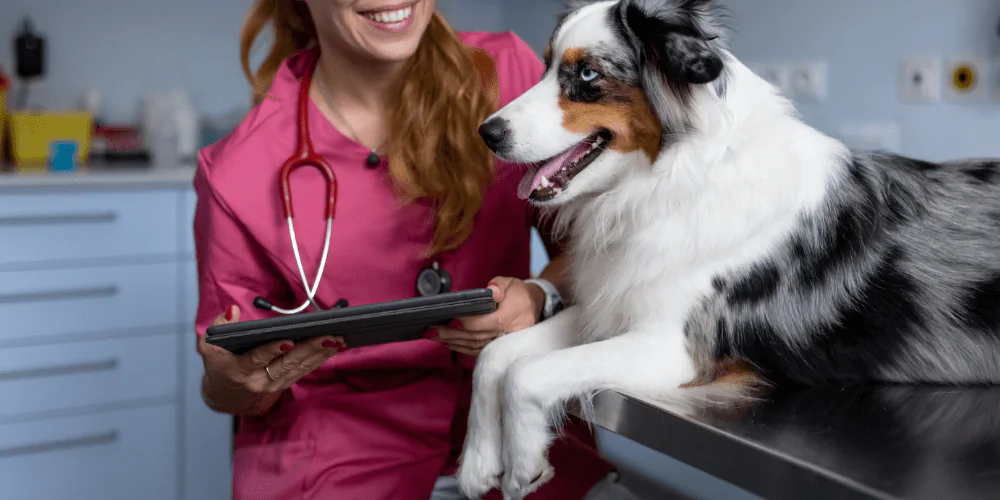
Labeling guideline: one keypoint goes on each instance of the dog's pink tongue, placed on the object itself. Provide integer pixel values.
(533, 177)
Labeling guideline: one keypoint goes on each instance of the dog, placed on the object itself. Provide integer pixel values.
(709, 226)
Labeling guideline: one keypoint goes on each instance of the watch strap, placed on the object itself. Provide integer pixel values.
(553, 299)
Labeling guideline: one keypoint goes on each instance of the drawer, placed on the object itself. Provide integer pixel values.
(87, 374)
(189, 294)
(39, 305)
(122, 455)
(190, 201)
(59, 226)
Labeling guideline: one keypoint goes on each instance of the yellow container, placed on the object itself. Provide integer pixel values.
(32, 133)
(3, 120)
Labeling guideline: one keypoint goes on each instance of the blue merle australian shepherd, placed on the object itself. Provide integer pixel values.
(709, 227)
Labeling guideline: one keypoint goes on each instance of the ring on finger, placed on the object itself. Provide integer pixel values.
(269, 374)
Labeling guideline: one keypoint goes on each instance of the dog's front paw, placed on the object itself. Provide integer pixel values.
(479, 471)
(524, 479)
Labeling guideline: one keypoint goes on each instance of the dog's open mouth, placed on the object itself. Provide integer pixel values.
(545, 180)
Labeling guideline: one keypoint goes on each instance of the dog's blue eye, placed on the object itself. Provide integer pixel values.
(588, 74)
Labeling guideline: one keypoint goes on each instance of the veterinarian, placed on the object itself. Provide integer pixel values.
(395, 101)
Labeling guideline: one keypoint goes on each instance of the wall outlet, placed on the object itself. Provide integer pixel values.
(775, 74)
(967, 79)
(807, 81)
(920, 80)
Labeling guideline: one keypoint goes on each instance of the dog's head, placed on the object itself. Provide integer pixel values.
(618, 88)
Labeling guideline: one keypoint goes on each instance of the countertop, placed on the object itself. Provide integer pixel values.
(883, 442)
(98, 176)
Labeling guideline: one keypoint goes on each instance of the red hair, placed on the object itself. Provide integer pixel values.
(434, 150)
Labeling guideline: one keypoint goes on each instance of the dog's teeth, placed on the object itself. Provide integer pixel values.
(545, 182)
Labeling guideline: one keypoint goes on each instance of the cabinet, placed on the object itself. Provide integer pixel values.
(99, 377)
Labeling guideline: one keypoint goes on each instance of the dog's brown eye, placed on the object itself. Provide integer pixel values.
(588, 74)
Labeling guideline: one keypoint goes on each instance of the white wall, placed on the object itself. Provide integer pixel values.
(864, 42)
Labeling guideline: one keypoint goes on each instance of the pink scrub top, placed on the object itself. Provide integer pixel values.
(380, 422)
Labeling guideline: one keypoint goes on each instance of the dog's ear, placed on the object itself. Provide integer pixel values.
(671, 38)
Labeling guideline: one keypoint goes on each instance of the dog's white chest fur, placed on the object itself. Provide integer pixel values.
(646, 253)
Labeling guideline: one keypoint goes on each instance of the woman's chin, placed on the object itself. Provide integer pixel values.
(396, 51)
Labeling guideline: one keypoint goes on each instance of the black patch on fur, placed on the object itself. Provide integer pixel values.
(982, 306)
(984, 173)
(919, 165)
(853, 230)
(761, 283)
(677, 47)
(868, 334)
(718, 284)
(574, 87)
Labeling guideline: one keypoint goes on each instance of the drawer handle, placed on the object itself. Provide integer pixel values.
(84, 218)
(78, 293)
(62, 444)
(51, 371)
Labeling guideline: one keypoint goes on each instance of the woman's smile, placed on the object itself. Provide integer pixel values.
(392, 18)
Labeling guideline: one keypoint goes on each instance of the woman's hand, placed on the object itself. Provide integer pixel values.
(518, 307)
(249, 384)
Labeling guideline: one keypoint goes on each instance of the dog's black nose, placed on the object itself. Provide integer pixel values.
(494, 132)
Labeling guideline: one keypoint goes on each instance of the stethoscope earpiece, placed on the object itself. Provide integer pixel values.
(262, 303)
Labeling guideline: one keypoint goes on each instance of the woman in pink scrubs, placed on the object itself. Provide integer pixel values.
(319, 419)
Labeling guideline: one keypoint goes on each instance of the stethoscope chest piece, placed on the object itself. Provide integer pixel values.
(433, 281)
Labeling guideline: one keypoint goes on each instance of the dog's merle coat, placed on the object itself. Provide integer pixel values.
(896, 278)
(713, 228)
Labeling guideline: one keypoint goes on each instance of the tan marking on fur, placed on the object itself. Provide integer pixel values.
(736, 372)
(633, 123)
(625, 112)
(548, 53)
(573, 56)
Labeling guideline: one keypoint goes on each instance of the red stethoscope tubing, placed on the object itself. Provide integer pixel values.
(305, 155)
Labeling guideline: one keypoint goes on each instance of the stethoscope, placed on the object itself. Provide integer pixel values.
(431, 280)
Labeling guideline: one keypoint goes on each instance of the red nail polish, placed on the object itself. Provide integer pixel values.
(429, 334)
(286, 347)
(455, 324)
(329, 344)
(341, 348)
(229, 313)
(492, 283)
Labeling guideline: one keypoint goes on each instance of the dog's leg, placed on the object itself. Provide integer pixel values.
(481, 463)
(638, 363)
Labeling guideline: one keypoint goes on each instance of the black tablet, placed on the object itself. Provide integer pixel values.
(359, 326)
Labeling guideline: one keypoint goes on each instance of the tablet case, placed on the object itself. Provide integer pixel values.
(359, 326)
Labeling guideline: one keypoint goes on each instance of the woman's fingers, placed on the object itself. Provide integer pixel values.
(445, 334)
(231, 315)
(303, 358)
(463, 350)
(215, 355)
(262, 356)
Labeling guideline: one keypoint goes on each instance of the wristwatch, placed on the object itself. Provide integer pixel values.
(553, 300)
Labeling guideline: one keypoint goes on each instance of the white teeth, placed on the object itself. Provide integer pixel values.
(387, 17)
(545, 182)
